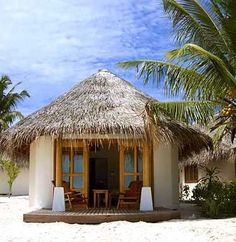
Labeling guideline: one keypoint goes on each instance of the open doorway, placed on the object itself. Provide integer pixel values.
(103, 169)
(98, 173)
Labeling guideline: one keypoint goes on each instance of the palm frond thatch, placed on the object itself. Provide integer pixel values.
(223, 151)
(102, 104)
(164, 129)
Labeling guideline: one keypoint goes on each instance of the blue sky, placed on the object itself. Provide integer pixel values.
(50, 45)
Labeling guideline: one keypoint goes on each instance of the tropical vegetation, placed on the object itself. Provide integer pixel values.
(9, 98)
(216, 198)
(12, 170)
(203, 70)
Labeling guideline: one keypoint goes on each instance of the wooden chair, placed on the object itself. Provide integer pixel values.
(73, 198)
(131, 198)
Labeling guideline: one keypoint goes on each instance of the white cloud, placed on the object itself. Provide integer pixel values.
(52, 44)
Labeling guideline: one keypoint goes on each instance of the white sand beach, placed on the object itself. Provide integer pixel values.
(12, 228)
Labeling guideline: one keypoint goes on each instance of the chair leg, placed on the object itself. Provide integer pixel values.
(118, 204)
(69, 200)
(138, 202)
(94, 200)
(109, 200)
(98, 199)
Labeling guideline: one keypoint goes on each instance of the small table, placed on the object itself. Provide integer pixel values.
(96, 197)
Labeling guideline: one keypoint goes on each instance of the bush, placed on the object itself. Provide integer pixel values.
(230, 198)
(12, 171)
(184, 192)
(216, 198)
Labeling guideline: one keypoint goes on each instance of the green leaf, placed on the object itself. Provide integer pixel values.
(8, 102)
(190, 112)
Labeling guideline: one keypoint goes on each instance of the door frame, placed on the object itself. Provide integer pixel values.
(147, 164)
(66, 143)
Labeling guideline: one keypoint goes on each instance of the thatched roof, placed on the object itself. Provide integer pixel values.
(101, 104)
(223, 151)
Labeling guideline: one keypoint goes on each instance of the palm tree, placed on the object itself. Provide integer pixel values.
(8, 101)
(203, 70)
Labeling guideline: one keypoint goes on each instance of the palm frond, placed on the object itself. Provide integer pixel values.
(228, 20)
(8, 102)
(217, 76)
(11, 116)
(163, 129)
(148, 70)
(14, 87)
(189, 112)
(179, 80)
(8, 118)
(192, 23)
(12, 99)
(3, 124)
(4, 84)
(204, 69)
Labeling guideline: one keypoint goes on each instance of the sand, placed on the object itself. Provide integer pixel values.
(12, 228)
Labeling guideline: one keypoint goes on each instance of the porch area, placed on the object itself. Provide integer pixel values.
(100, 215)
(86, 167)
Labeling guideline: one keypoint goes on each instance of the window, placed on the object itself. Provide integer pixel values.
(133, 165)
(191, 173)
(73, 168)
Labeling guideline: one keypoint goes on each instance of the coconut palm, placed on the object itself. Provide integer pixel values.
(203, 70)
(8, 101)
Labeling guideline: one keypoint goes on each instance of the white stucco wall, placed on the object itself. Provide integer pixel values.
(41, 172)
(227, 172)
(165, 159)
(20, 185)
(165, 170)
(227, 169)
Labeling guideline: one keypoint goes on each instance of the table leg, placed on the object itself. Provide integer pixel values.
(94, 199)
(109, 200)
(106, 199)
(98, 200)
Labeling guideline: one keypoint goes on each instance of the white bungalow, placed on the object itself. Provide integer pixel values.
(100, 132)
(223, 158)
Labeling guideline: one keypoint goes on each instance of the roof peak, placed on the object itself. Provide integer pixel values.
(103, 70)
(111, 77)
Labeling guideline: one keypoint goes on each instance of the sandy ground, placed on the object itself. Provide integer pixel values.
(12, 228)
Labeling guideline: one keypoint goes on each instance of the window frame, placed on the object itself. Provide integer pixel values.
(191, 174)
(71, 174)
(136, 174)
